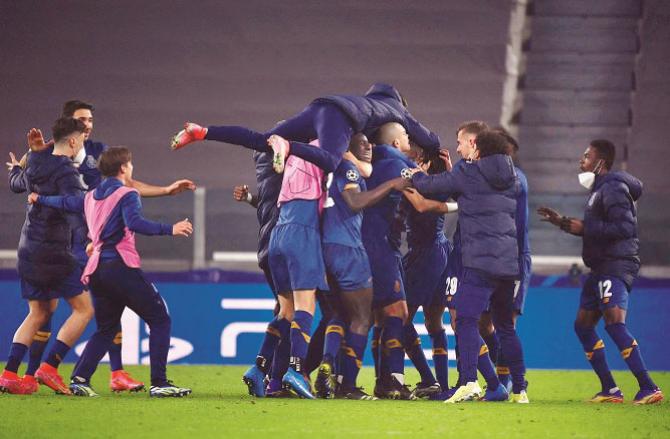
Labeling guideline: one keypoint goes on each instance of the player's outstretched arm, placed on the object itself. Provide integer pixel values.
(131, 209)
(68, 203)
(148, 190)
(422, 204)
(241, 193)
(357, 200)
(444, 182)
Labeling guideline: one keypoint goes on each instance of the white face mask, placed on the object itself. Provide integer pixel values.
(587, 179)
(80, 157)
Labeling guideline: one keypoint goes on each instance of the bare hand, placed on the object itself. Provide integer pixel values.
(12, 161)
(89, 249)
(550, 215)
(412, 195)
(401, 184)
(36, 140)
(572, 226)
(32, 198)
(183, 228)
(444, 155)
(241, 193)
(180, 186)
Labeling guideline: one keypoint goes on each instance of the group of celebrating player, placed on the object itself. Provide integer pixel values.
(332, 208)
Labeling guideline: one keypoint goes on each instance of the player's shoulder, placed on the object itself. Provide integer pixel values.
(94, 148)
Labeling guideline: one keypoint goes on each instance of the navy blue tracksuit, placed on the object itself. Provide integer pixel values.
(487, 196)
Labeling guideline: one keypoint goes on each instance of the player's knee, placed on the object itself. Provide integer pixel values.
(433, 326)
(582, 328)
(360, 326)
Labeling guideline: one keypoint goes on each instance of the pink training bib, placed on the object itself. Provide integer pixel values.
(302, 181)
(97, 214)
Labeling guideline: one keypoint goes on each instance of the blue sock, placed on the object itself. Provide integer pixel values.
(270, 340)
(353, 358)
(502, 369)
(375, 348)
(334, 335)
(414, 351)
(630, 352)
(392, 342)
(58, 351)
(493, 344)
(300, 336)
(320, 157)
(595, 353)
(115, 362)
(440, 358)
(37, 347)
(16, 354)
(485, 366)
(237, 135)
(282, 353)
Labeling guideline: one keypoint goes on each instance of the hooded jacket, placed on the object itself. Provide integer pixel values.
(611, 245)
(487, 190)
(381, 104)
(44, 251)
(269, 185)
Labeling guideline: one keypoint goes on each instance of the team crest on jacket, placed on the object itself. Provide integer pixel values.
(406, 173)
(91, 162)
(352, 175)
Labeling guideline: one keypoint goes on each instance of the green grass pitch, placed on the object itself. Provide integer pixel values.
(220, 407)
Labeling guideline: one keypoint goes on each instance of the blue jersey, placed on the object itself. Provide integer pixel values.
(341, 225)
(425, 229)
(89, 167)
(303, 212)
(388, 163)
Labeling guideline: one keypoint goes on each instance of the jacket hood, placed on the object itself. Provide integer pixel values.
(44, 165)
(107, 187)
(634, 184)
(382, 90)
(498, 170)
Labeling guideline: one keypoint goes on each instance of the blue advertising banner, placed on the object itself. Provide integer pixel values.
(221, 318)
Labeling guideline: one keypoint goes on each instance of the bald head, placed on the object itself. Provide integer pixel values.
(394, 134)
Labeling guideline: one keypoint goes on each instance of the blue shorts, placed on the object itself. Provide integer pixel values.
(69, 287)
(602, 291)
(348, 268)
(387, 275)
(426, 275)
(454, 270)
(296, 259)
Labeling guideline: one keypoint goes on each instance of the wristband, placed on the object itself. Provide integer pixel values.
(249, 197)
(452, 207)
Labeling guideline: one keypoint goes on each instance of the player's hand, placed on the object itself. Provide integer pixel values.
(401, 184)
(89, 249)
(412, 195)
(241, 193)
(36, 140)
(32, 198)
(444, 155)
(572, 226)
(183, 228)
(180, 186)
(550, 215)
(12, 161)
